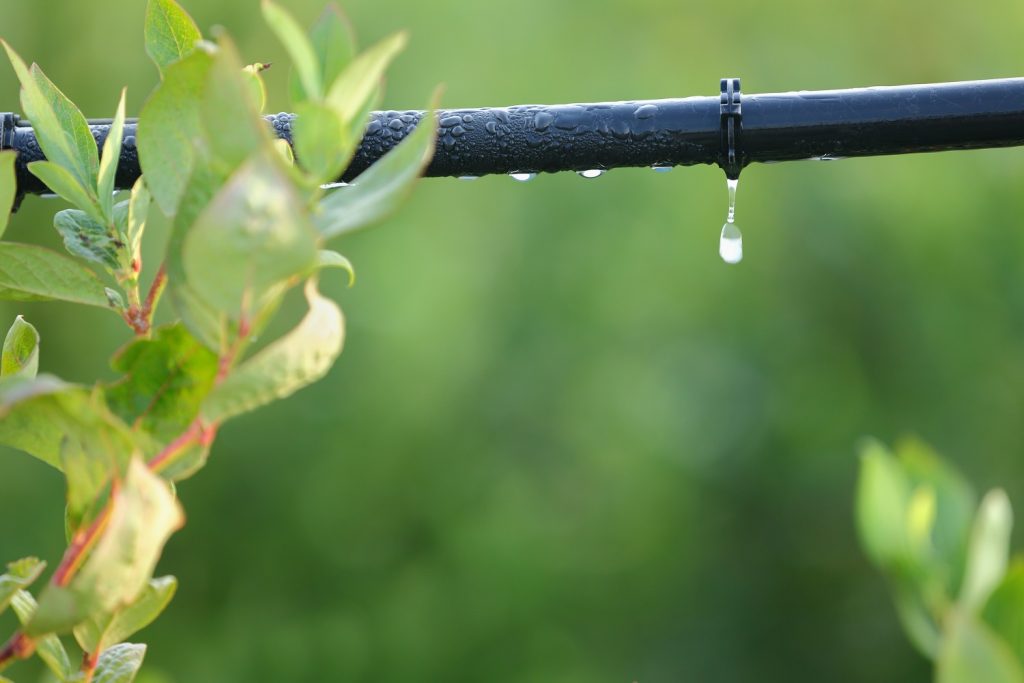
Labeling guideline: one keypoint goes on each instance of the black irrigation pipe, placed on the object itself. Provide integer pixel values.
(728, 130)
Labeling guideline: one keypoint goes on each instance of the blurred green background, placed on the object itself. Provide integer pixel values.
(565, 442)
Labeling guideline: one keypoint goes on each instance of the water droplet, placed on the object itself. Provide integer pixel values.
(730, 245)
(468, 177)
(331, 186)
(522, 177)
(662, 168)
(591, 173)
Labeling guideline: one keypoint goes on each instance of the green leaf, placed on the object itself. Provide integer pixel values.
(143, 515)
(119, 664)
(882, 495)
(8, 187)
(955, 504)
(972, 653)
(988, 551)
(48, 647)
(109, 159)
(31, 273)
(204, 322)
(350, 91)
(61, 181)
(165, 380)
(291, 35)
(170, 32)
(63, 423)
(20, 575)
(87, 239)
(251, 74)
(21, 350)
(138, 214)
(379, 190)
(167, 128)
(101, 631)
(60, 127)
(335, 46)
(322, 143)
(332, 259)
(252, 236)
(296, 360)
(1004, 610)
(230, 116)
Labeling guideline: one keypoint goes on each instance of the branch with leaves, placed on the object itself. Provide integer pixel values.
(250, 219)
(947, 561)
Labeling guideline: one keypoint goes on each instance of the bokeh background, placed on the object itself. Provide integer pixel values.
(565, 442)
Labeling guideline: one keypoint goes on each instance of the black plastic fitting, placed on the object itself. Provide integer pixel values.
(694, 130)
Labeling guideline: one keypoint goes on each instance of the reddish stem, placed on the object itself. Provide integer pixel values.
(19, 646)
(155, 290)
(82, 542)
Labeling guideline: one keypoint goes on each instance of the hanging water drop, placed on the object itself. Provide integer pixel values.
(468, 177)
(730, 244)
(591, 173)
(661, 168)
(522, 177)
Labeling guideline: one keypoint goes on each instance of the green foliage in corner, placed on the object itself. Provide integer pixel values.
(946, 556)
(251, 221)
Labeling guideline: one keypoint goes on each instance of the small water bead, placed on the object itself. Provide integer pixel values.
(662, 168)
(730, 244)
(522, 177)
(591, 173)
(468, 177)
(331, 186)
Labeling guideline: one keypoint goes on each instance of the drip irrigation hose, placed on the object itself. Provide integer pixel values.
(731, 130)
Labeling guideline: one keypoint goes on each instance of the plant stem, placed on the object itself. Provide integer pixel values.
(155, 291)
(82, 542)
(19, 646)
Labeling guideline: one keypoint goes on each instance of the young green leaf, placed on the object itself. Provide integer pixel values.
(882, 495)
(61, 129)
(87, 239)
(252, 236)
(167, 128)
(335, 46)
(350, 91)
(109, 159)
(230, 117)
(380, 189)
(296, 360)
(252, 75)
(21, 350)
(164, 381)
(48, 647)
(31, 273)
(989, 549)
(102, 631)
(138, 214)
(204, 322)
(60, 180)
(143, 515)
(291, 35)
(170, 32)
(332, 259)
(322, 144)
(972, 653)
(1004, 610)
(8, 187)
(119, 664)
(20, 575)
